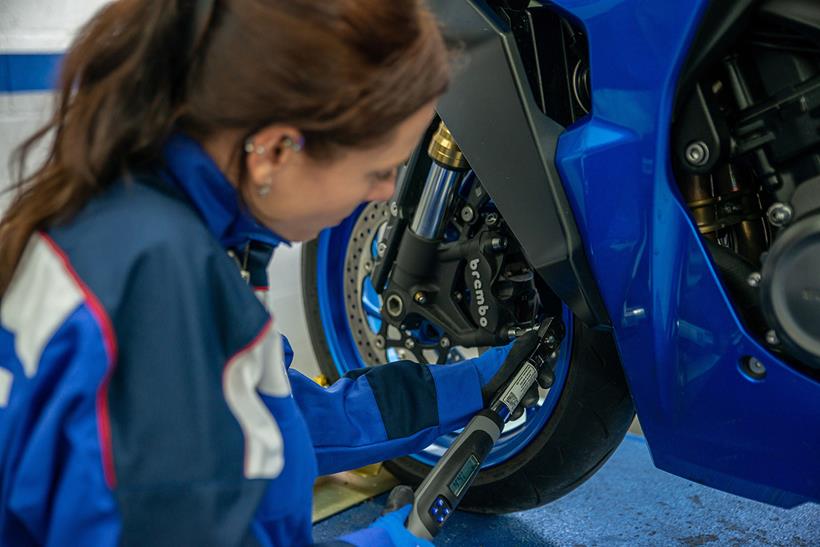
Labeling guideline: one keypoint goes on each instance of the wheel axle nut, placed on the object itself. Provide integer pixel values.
(779, 214)
(394, 305)
(771, 338)
(754, 279)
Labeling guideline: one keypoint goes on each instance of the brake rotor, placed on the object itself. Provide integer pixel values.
(359, 262)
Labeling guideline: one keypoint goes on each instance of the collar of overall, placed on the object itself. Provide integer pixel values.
(192, 171)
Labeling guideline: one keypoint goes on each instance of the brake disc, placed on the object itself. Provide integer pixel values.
(358, 266)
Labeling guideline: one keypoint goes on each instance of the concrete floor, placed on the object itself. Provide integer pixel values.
(628, 502)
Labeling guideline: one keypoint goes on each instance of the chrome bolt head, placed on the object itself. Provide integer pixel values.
(368, 266)
(754, 279)
(697, 153)
(394, 208)
(381, 248)
(420, 298)
(467, 214)
(779, 214)
(755, 368)
(410, 343)
(492, 219)
(379, 342)
(444, 342)
(771, 338)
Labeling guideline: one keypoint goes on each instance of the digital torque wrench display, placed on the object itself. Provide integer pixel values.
(448, 482)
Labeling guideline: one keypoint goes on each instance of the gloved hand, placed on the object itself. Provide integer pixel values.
(396, 510)
(497, 365)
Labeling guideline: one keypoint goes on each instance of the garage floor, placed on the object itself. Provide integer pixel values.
(628, 502)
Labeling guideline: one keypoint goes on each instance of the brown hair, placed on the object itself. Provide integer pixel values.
(345, 72)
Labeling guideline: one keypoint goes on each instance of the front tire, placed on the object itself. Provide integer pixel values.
(585, 426)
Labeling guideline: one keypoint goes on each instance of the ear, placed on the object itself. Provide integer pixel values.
(270, 150)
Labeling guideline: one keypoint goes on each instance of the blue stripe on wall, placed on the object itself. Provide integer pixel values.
(21, 72)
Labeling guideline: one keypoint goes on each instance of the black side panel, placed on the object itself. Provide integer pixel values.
(510, 144)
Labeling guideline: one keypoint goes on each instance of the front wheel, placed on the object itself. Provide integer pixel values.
(545, 454)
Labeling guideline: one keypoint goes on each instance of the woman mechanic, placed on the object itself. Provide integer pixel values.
(145, 395)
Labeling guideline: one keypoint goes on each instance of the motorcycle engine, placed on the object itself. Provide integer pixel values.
(747, 149)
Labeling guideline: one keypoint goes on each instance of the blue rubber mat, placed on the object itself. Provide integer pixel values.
(628, 502)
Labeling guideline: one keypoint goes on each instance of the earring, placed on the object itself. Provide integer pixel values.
(295, 146)
(251, 148)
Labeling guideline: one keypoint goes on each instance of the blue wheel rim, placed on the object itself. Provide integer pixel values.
(330, 269)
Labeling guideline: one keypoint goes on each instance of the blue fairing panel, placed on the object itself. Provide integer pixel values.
(679, 339)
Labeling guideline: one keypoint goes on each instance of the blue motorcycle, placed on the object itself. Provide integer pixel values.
(647, 171)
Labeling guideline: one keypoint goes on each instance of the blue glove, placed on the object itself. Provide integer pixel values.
(389, 530)
(393, 523)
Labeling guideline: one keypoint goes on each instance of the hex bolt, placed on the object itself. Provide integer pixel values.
(379, 342)
(498, 244)
(755, 368)
(492, 219)
(467, 214)
(381, 248)
(697, 153)
(394, 305)
(444, 342)
(779, 214)
(754, 279)
(410, 343)
(394, 208)
(771, 338)
(420, 298)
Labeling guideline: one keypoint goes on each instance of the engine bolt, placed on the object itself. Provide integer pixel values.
(779, 214)
(379, 341)
(410, 343)
(754, 279)
(467, 214)
(755, 368)
(771, 338)
(697, 153)
(492, 219)
(420, 298)
(381, 249)
(444, 342)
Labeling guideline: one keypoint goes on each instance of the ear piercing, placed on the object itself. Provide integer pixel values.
(287, 142)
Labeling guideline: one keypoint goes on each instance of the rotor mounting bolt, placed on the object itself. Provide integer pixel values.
(467, 214)
(771, 338)
(381, 249)
(379, 342)
(779, 214)
(754, 279)
(394, 208)
(697, 153)
(492, 219)
(368, 266)
(410, 343)
(444, 342)
(420, 298)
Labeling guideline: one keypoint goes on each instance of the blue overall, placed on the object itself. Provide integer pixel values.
(145, 394)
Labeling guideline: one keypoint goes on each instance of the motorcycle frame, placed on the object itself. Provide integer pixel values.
(596, 209)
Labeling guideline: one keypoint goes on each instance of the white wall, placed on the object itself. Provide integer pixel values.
(48, 26)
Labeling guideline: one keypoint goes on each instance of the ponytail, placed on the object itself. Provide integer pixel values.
(345, 72)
